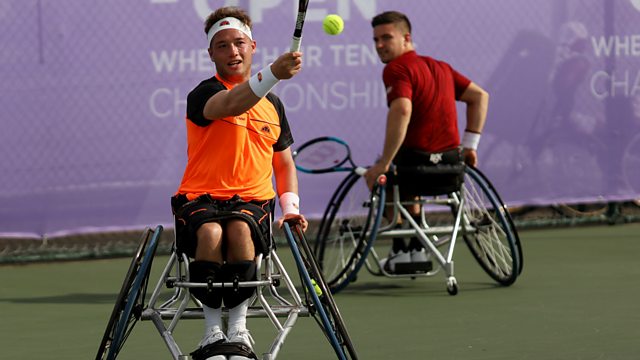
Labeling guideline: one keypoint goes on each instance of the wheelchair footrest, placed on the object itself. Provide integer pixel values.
(414, 267)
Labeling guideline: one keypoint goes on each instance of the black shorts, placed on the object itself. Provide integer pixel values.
(424, 173)
(190, 215)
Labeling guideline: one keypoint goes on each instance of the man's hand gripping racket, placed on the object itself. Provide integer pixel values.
(297, 32)
(297, 219)
(289, 64)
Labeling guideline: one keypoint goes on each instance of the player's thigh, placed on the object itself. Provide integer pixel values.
(240, 246)
(197, 223)
(249, 233)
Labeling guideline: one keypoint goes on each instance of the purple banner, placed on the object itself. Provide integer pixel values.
(93, 96)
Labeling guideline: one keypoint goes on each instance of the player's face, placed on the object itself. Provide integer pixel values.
(390, 41)
(232, 52)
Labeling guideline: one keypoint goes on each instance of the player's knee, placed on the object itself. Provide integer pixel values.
(204, 272)
(209, 236)
(209, 231)
(237, 229)
(234, 273)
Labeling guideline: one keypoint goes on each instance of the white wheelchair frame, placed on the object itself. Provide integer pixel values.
(479, 217)
(175, 276)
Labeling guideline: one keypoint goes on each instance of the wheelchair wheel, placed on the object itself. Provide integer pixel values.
(347, 230)
(324, 308)
(493, 239)
(130, 301)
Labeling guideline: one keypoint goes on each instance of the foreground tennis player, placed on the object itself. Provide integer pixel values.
(238, 137)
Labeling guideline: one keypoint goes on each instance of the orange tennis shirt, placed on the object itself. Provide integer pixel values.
(233, 155)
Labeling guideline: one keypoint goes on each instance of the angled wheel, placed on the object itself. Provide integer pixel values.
(130, 301)
(322, 305)
(348, 229)
(491, 236)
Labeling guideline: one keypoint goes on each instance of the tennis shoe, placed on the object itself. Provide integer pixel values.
(420, 256)
(241, 337)
(389, 263)
(213, 336)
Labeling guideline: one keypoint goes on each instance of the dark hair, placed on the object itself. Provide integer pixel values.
(223, 12)
(392, 17)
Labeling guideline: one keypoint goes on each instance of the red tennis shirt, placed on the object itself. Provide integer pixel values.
(433, 87)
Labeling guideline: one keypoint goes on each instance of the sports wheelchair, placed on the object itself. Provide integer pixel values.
(455, 201)
(170, 300)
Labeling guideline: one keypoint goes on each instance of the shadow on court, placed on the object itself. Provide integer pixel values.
(73, 298)
(400, 289)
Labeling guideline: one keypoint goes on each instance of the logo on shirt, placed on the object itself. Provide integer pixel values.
(389, 89)
(266, 129)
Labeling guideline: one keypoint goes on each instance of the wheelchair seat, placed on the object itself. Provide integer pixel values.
(421, 173)
(428, 180)
(185, 245)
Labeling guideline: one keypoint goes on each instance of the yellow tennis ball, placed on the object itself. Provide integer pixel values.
(316, 287)
(333, 24)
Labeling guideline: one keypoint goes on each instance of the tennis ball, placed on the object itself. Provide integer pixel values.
(333, 24)
(316, 287)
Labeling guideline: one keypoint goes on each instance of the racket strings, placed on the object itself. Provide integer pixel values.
(322, 155)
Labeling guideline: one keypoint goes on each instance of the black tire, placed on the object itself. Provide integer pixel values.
(347, 230)
(335, 201)
(323, 309)
(494, 241)
(130, 301)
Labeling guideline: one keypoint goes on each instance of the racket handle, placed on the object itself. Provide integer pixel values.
(295, 43)
(360, 170)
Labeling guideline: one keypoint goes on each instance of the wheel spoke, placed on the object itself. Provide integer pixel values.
(492, 241)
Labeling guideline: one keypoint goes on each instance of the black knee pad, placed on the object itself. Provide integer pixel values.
(236, 272)
(202, 272)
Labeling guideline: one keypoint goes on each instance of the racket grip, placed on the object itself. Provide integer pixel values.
(360, 170)
(295, 43)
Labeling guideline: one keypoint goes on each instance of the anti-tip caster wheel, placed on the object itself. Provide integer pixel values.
(452, 286)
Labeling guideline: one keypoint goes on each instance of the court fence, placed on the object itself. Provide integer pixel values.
(100, 245)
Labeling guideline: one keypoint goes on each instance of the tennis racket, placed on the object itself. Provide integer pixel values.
(325, 154)
(297, 33)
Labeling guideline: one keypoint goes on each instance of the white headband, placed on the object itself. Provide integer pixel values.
(228, 23)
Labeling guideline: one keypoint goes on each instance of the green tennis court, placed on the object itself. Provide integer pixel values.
(577, 298)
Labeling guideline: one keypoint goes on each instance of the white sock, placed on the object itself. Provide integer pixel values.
(212, 318)
(238, 317)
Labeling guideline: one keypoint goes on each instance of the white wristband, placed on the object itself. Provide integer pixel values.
(263, 81)
(470, 140)
(290, 203)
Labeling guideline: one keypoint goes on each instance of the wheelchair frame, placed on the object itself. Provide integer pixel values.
(479, 217)
(267, 302)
